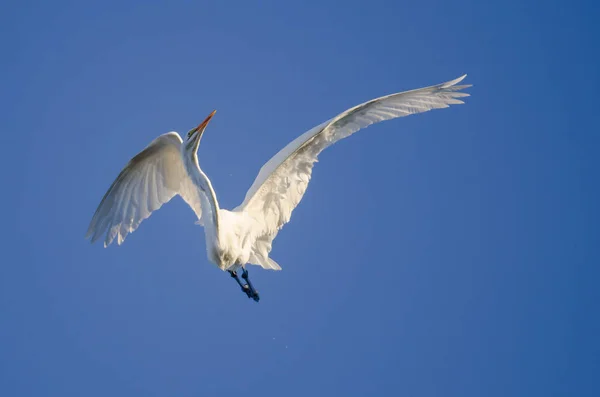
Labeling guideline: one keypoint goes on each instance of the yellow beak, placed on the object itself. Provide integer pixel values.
(202, 126)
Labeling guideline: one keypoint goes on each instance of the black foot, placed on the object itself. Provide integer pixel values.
(254, 293)
(248, 289)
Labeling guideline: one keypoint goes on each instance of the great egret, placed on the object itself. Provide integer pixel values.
(169, 166)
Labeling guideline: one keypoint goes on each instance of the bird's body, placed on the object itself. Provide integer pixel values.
(169, 166)
(229, 234)
(230, 246)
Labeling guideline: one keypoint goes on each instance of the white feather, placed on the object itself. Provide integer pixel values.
(282, 181)
(167, 167)
(150, 179)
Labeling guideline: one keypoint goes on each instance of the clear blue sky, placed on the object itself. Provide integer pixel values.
(453, 253)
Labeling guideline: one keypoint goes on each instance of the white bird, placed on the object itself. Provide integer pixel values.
(169, 166)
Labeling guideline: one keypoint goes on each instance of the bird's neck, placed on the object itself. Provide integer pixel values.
(210, 205)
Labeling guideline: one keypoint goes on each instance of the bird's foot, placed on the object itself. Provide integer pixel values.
(247, 288)
(253, 293)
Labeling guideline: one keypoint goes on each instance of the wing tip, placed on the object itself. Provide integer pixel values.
(454, 82)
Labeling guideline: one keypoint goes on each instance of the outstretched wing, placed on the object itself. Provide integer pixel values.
(149, 180)
(282, 181)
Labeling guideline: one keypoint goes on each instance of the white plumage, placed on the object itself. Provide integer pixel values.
(169, 166)
(150, 179)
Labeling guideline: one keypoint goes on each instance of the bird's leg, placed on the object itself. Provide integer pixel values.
(253, 293)
(245, 288)
(248, 289)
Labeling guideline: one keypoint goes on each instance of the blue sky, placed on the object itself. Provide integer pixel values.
(452, 253)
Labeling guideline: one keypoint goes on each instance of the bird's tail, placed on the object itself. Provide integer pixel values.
(264, 262)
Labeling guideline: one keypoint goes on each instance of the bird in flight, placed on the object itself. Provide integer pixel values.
(169, 166)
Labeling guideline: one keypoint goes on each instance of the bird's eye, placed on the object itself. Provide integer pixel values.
(189, 134)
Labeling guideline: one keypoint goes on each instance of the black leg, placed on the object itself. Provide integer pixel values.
(254, 292)
(246, 288)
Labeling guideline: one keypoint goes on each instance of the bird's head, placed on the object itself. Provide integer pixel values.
(195, 134)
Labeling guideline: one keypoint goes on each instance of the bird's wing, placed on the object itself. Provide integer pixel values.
(149, 180)
(282, 181)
